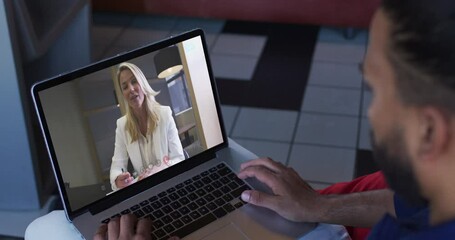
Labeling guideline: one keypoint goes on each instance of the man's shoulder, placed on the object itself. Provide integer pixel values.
(402, 227)
(442, 231)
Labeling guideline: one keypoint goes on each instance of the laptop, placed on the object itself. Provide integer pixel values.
(193, 191)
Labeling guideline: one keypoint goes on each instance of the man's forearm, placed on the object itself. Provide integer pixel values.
(363, 209)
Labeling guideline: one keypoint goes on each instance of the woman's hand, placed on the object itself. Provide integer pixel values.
(146, 173)
(123, 180)
(142, 176)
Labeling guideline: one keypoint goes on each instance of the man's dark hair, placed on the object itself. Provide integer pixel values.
(422, 50)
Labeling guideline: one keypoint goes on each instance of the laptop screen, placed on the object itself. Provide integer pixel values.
(114, 127)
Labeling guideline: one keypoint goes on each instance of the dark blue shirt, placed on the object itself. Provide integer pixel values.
(411, 223)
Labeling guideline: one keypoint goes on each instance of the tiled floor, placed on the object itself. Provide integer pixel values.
(9, 238)
(290, 92)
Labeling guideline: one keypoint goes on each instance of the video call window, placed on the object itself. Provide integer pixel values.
(87, 121)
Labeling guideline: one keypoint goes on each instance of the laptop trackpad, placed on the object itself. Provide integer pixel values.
(227, 232)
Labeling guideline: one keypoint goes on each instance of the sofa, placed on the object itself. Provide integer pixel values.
(338, 13)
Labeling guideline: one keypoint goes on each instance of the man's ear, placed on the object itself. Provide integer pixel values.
(434, 133)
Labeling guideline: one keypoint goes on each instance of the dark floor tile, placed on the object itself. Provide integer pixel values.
(9, 238)
(282, 71)
(112, 19)
(364, 163)
(244, 27)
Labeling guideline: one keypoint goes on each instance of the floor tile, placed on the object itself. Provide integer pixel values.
(10, 237)
(105, 35)
(275, 150)
(318, 185)
(366, 101)
(233, 67)
(341, 53)
(229, 116)
(112, 19)
(210, 39)
(97, 52)
(239, 44)
(334, 74)
(267, 124)
(208, 25)
(282, 71)
(365, 163)
(135, 37)
(337, 35)
(115, 50)
(330, 130)
(322, 164)
(331, 100)
(155, 22)
(364, 137)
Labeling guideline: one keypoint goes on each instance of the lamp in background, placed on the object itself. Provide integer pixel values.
(167, 62)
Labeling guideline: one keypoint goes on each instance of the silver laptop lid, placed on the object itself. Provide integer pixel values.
(79, 114)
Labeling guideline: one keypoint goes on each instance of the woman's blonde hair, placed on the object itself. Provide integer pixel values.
(132, 125)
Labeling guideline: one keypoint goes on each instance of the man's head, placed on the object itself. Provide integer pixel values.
(410, 66)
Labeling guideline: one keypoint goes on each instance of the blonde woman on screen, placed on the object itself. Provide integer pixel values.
(146, 135)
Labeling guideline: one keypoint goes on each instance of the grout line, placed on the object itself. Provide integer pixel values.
(173, 28)
(334, 87)
(264, 108)
(288, 158)
(359, 123)
(329, 114)
(347, 43)
(338, 62)
(231, 131)
(364, 92)
(115, 39)
(237, 55)
(111, 45)
(262, 140)
(210, 50)
(325, 145)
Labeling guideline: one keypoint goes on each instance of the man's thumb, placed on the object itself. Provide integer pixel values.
(257, 198)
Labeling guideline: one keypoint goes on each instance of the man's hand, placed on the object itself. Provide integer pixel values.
(292, 197)
(127, 227)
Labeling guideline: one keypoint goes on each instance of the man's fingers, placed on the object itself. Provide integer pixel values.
(144, 226)
(259, 199)
(127, 223)
(264, 162)
(262, 174)
(101, 233)
(125, 227)
(113, 228)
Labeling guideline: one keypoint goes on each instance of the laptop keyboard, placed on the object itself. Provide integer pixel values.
(191, 204)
